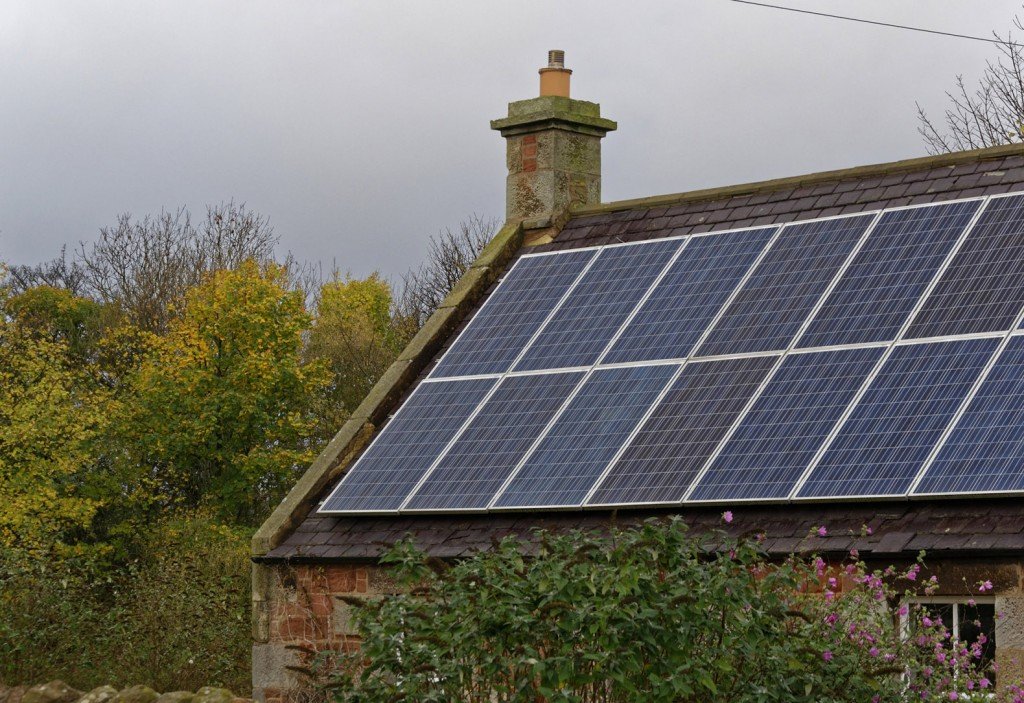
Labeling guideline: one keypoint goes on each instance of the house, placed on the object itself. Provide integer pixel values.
(837, 349)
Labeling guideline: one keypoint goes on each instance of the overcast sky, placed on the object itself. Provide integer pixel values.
(361, 128)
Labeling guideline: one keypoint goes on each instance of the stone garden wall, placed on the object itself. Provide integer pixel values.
(60, 692)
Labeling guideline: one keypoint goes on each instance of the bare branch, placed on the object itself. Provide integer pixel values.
(450, 255)
(988, 115)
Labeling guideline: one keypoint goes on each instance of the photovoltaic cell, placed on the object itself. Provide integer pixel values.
(685, 302)
(578, 447)
(983, 288)
(985, 451)
(786, 426)
(689, 422)
(879, 290)
(584, 324)
(785, 286)
(893, 429)
(408, 446)
(512, 314)
(494, 442)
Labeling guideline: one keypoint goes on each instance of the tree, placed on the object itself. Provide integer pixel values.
(357, 337)
(990, 114)
(59, 316)
(145, 266)
(449, 256)
(49, 413)
(58, 273)
(221, 410)
(651, 614)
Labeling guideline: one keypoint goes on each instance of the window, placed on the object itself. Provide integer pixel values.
(966, 621)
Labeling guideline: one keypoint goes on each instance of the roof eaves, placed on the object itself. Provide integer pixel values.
(858, 172)
(375, 408)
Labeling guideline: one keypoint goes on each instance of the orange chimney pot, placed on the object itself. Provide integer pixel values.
(554, 78)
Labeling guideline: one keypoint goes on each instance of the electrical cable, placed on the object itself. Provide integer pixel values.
(875, 22)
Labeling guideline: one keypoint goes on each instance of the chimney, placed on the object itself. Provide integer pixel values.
(553, 148)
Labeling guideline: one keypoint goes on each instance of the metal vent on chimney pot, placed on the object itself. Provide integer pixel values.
(556, 58)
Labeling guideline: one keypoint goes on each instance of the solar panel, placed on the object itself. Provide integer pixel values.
(570, 458)
(785, 286)
(685, 427)
(407, 446)
(985, 451)
(685, 302)
(981, 290)
(895, 425)
(880, 289)
(827, 359)
(512, 314)
(776, 440)
(497, 438)
(581, 328)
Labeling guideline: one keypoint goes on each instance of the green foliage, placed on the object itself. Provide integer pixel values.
(60, 317)
(49, 413)
(176, 619)
(221, 409)
(158, 396)
(356, 336)
(649, 614)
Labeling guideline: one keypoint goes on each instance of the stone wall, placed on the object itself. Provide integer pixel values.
(60, 692)
(297, 613)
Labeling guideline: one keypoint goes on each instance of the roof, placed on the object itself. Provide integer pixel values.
(296, 531)
(941, 528)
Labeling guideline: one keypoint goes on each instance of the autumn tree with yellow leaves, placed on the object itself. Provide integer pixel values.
(222, 408)
(49, 414)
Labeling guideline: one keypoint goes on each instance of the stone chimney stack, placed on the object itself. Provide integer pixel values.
(553, 148)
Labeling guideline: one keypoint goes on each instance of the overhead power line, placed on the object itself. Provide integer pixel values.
(880, 24)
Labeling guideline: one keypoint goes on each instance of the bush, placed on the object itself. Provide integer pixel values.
(177, 620)
(648, 614)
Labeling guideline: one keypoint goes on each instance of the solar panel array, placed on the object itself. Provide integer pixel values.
(871, 355)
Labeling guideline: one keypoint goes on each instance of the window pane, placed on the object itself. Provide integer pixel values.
(977, 620)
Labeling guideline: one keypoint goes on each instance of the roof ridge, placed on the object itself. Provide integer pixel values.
(918, 163)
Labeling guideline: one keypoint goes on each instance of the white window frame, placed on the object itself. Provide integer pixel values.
(955, 601)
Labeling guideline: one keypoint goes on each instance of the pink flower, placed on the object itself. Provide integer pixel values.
(953, 695)
(984, 683)
(727, 516)
(826, 655)
(822, 531)
(873, 651)
(926, 621)
(985, 586)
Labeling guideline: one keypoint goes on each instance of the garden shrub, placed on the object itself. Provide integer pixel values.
(177, 619)
(650, 614)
